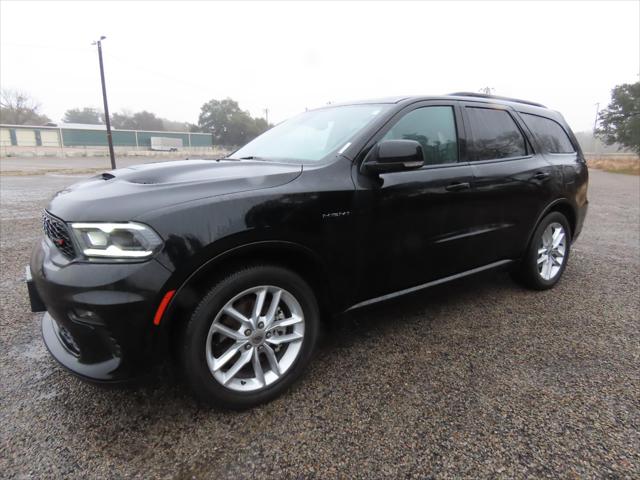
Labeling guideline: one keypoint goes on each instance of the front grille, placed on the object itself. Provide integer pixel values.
(57, 232)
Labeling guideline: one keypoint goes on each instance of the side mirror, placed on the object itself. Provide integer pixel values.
(394, 156)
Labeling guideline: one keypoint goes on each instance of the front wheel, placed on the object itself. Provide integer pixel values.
(547, 255)
(250, 337)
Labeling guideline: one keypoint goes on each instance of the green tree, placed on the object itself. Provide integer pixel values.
(137, 121)
(18, 108)
(123, 120)
(620, 121)
(87, 115)
(172, 126)
(147, 121)
(229, 124)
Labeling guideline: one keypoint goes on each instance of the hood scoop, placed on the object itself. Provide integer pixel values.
(198, 171)
(144, 181)
(124, 194)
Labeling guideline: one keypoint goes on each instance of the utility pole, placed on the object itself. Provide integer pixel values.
(106, 105)
(266, 114)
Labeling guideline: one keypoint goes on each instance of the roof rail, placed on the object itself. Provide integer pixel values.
(484, 95)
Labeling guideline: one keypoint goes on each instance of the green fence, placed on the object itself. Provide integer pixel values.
(96, 138)
(15, 135)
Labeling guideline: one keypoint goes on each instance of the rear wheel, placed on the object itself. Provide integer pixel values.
(547, 255)
(251, 336)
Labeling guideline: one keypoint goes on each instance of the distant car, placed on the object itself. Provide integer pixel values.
(232, 264)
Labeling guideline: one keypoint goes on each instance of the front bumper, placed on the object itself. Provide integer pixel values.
(99, 319)
(65, 352)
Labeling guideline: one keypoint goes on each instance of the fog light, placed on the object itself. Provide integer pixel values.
(68, 341)
(87, 317)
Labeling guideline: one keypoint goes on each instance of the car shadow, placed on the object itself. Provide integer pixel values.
(423, 306)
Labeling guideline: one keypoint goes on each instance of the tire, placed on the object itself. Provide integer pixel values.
(216, 343)
(534, 271)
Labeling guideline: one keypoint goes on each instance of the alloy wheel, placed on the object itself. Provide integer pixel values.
(552, 251)
(255, 338)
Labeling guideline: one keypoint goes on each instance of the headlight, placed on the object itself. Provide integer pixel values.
(116, 240)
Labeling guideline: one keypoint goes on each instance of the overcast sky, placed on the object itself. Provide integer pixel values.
(171, 57)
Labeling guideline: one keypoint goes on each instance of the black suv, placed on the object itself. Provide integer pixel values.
(231, 264)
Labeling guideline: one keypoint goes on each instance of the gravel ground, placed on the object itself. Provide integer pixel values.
(476, 379)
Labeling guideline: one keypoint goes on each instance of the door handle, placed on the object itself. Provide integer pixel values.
(454, 187)
(541, 175)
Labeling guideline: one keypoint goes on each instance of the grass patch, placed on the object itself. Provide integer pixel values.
(627, 164)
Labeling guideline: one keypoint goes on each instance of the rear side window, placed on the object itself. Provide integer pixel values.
(434, 128)
(549, 133)
(494, 135)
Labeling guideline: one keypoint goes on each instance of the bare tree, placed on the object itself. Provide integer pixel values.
(18, 108)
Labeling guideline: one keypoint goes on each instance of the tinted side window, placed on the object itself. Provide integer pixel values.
(549, 133)
(494, 134)
(434, 128)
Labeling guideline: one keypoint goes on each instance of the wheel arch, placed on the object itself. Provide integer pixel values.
(561, 205)
(564, 207)
(296, 257)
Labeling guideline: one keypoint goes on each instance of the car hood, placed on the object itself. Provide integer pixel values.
(126, 193)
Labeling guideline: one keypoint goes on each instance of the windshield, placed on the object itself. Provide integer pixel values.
(311, 136)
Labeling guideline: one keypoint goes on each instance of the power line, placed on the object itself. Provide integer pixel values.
(110, 56)
(155, 72)
(53, 46)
